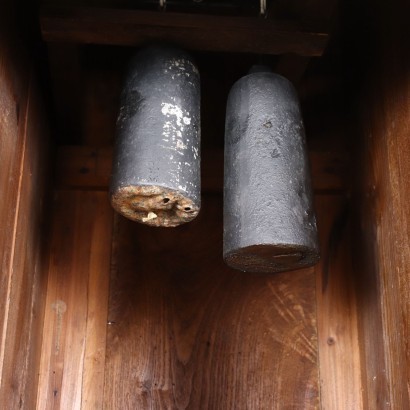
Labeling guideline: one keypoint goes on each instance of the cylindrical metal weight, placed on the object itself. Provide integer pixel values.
(156, 165)
(269, 221)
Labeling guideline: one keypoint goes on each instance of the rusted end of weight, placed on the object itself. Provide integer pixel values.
(156, 166)
(154, 205)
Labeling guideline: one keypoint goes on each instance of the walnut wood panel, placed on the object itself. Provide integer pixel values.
(81, 167)
(338, 340)
(188, 332)
(197, 32)
(382, 234)
(23, 185)
(73, 350)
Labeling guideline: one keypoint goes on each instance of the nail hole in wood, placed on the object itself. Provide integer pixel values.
(331, 341)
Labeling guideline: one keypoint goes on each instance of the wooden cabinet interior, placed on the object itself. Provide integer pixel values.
(100, 312)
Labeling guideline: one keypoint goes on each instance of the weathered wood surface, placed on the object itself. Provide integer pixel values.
(13, 108)
(82, 167)
(197, 32)
(188, 332)
(182, 327)
(23, 185)
(74, 334)
(183, 330)
(337, 316)
(382, 234)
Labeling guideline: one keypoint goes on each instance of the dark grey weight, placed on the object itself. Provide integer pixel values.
(269, 221)
(156, 166)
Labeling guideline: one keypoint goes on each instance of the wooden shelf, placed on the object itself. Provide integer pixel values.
(192, 31)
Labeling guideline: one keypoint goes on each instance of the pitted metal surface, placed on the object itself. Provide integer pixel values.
(269, 221)
(154, 205)
(156, 167)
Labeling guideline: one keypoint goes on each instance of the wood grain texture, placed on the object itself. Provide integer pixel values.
(14, 83)
(197, 32)
(26, 288)
(382, 234)
(23, 186)
(73, 350)
(338, 340)
(82, 167)
(189, 333)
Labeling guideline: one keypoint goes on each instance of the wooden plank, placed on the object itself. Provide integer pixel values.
(22, 323)
(337, 316)
(192, 31)
(82, 167)
(72, 360)
(382, 234)
(13, 109)
(97, 310)
(186, 331)
(23, 170)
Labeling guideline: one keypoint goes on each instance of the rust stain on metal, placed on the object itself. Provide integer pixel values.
(154, 205)
(156, 166)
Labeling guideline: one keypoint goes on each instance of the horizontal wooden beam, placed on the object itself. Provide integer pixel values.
(191, 31)
(82, 167)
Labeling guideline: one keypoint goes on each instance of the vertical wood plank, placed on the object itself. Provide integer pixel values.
(382, 229)
(98, 292)
(339, 352)
(26, 288)
(13, 109)
(72, 361)
(23, 187)
(188, 332)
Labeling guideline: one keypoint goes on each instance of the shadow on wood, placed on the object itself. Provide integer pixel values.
(188, 332)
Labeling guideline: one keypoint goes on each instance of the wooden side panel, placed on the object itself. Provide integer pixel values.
(188, 332)
(73, 350)
(382, 234)
(25, 297)
(339, 353)
(23, 187)
(13, 112)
